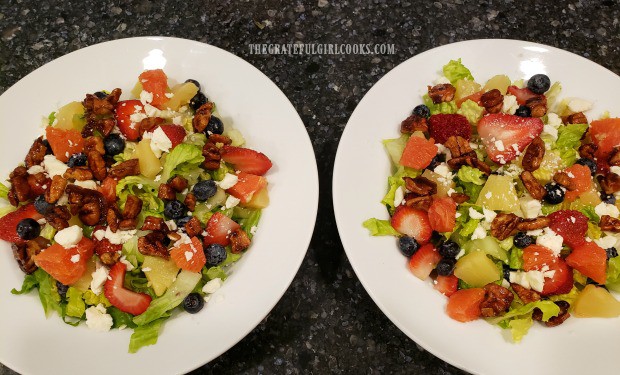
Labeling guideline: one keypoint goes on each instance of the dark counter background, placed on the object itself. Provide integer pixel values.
(325, 322)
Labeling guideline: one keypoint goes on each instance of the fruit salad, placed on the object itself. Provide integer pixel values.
(125, 211)
(507, 198)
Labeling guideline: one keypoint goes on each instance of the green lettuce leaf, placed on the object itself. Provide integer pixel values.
(613, 270)
(590, 213)
(251, 222)
(469, 227)
(131, 252)
(395, 148)
(568, 141)
(51, 118)
(396, 181)
(455, 70)
(48, 294)
(4, 191)
(594, 231)
(515, 258)
(128, 152)
(471, 110)
(30, 282)
(6, 210)
(569, 297)
(181, 159)
(145, 335)
(75, 304)
(444, 107)
(470, 174)
(92, 299)
(146, 189)
(519, 317)
(215, 273)
(378, 227)
(121, 318)
(519, 327)
(48, 232)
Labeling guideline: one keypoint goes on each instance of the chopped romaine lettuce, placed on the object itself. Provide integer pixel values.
(121, 318)
(396, 181)
(4, 191)
(378, 227)
(471, 110)
(181, 159)
(131, 253)
(590, 213)
(215, 273)
(75, 304)
(6, 210)
(93, 299)
(553, 93)
(250, 223)
(444, 107)
(455, 70)
(568, 141)
(395, 147)
(515, 258)
(145, 335)
(146, 189)
(594, 231)
(30, 282)
(523, 313)
(470, 174)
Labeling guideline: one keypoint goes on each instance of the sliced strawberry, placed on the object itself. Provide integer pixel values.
(64, 142)
(105, 246)
(540, 258)
(8, 222)
(247, 185)
(591, 260)
(443, 126)
(123, 113)
(156, 82)
(523, 95)
(66, 265)
(605, 135)
(218, 228)
(502, 133)
(442, 214)
(571, 225)
(108, 189)
(124, 299)
(475, 97)
(418, 152)
(246, 160)
(189, 256)
(175, 133)
(446, 285)
(464, 305)
(582, 179)
(424, 261)
(413, 223)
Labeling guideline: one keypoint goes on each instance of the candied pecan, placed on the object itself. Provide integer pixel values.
(497, 300)
(482, 166)
(133, 206)
(193, 227)
(458, 146)
(239, 240)
(166, 192)
(38, 182)
(533, 224)
(441, 93)
(56, 189)
(526, 295)
(533, 155)
(614, 157)
(128, 224)
(78, 173)
(152, 244)
(212, 156)
(105, 246)
(412, 124)
(94, 143)
(202, 117)
(537, 105)
(575, 118)
(536, 190)
(98, 106)
(36, 153)
(421, 203)
(459, 197)
(219, 138)
(110, 259)
(190, 201)
(178, 183)
(492, 101)
(609, 224)
(173, 236)
(58, 217)
(19, 184)
(112, 218)
(97, 165)
(24, 253)
(90, 213)
(12, 197)
(504, 225)
(149, 124)
(563, 179)
(129, 167)
(560, 318)
(587, 150)
(470, 160)
(609, 183)
(154, 223)
(420, 186)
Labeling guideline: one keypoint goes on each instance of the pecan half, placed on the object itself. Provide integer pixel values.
(212, 156)
(536, 190)
(129, 167)
(38, 182)
(471, 160)
(533, 224)
(152, 244)
(97, 165)
(239, 240)
(37, 152)
(441, 93)
(112, 218)
(492, 101)
(178, 183)
(459, 197)
(526, 295)
(24, 253)
(149, 124)
(504, 225)
(94, 143)
(19, 185)
(609, 183)
(421, 203)
(78, 173)
(533, 155)
(190, 201)
(58, 217)
(458, 146)
(166, 192)
(133, 206)
(412, 124)
(497, 300)
(420, 186)
(587, 150)
(563, 179)
(127, 224)
(219, 138)
(555, 320)
(538, 105)
(575, 118)
(90, 213)
(154, 223)
(609, 223)
(202, 117)
(614, 157)
(110, 259)
(193, 227)
(56, 190)
(99, 113)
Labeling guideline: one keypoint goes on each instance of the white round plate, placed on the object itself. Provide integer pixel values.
(413, 305)
(246, 98)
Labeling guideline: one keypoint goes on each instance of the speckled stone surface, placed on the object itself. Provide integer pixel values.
(326, 322)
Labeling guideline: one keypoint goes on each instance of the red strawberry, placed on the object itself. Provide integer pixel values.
(418, 152)
(246, 160)
(501, 133)
(447, 285)
(522, 94)
(189, 256)
(175, 133)
(124, 299)
(424, 261)
(218, 228)
(123, 113)
(443, 126)
(591, 260)
(8, 223)
(442, 214)
(413, 223)
(537, 258)
(571, 225)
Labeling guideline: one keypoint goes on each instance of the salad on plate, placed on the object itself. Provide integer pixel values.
(127, 212)
(507, 198)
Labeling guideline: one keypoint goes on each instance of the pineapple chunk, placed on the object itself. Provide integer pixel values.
(181, 95)
(476, 269)
(499, 194)
(596, 302)
(500, 82)
(465, 88)
(150, 165)
(137, 89)
(83, 282)
(443, 184)
(217, 199)
(159, 272)
(260, 199)
(71, 116)
(589, 198)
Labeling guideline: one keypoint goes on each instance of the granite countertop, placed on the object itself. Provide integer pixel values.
(337, 328)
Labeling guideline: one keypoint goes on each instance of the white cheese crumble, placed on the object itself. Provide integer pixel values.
(442, 80)
(87, 184)
(550, 240)
(615, 169)
(534, 280)
(97, 318)
(75, 258)
(510, 104)
(212, 286)
(253, 230)
(118, 238)
(499, 145)
(99, 278)
(550, 131)
(554, 120)
(171, 225)
(146, 269)
(36, 169)
(69, 237)
(475, 214)
(443, 170)
(489, 215)
(228, 181)
(606, 209)
(606, 242)
(531, 207)
(146, 97)
(579, 105)
(160, 142)
(189, 255)
(460, 254)
(399, 195)
(479, 233)
(126, 262)
(233, 201)
(53, 166)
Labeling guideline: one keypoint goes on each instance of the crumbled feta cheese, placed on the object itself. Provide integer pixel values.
(233, 201)
(534, 280)
(53, 166)
(550, 131)
(489, 215)
(579, 105)
(228, 181)
(550, 240)
(137, 116)
(606, 209)
(615, 169)
(535, 232)
(505, 283)
(253, 230)
(171, 224)
(510, 104)
(36, 169)
(97, 318)
(488, 195)
(531, 207)
(126, 263)
(212, 286)
(512, 170)
(169, 95)
(184, 239)
(99, 234)
(177, 120)
(87, 184)
(457, 215)
(146, 97)
(75, 258)
(499, 145)
(475, 214)
(442, 80)
(479, 233)
(120, 237)
(441, 149)
(69, 237)
(399, 195)
(606, 242)
(146, 269)
(99, 278)
(460, 254)
(157, 178)
(450, 192)
(554, 120)
(443, 170)
(160, 142)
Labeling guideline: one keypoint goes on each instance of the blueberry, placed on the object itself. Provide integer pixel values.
(215, 126)
(422, 111)
(215, 254)
(100, 94)
(175, 209)
(434, 163)
(62, 289)
(608, 198)
(28, 229)
(197, 101)
(114, 144)
(204, 190)
(193, 303)
(41, 205)
(506, 272)
(445, 266)
(555, 193)
(48, 148)
(523, 111)
(611, 252)
(182, 221)
(408, 245)
(449, 249)
(77, 160)
(588, 163)
(523, 240)
(194, 82)
(539, 83)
